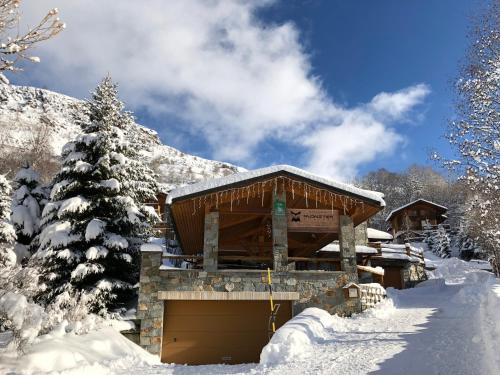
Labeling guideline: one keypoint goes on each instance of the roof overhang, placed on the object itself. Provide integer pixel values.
(424, 201)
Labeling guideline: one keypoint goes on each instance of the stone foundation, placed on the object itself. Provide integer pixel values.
(321, 289)
(413, 274)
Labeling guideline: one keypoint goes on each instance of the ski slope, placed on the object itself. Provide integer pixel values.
(449, 324)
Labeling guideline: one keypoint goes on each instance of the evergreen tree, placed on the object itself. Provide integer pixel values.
(95, 221)
(28, 200)
(441, 243)
(7, 233)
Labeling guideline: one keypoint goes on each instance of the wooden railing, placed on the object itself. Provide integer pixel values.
(249, 258)
(407, 250)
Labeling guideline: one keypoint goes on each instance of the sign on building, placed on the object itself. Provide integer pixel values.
(313, 220)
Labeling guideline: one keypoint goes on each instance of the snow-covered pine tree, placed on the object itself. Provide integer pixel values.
(28, 200)
(441, 243)
(95, 220)
(7, 233)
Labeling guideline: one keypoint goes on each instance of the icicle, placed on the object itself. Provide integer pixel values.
(248, 193)
(194, 206)
(307, 205)
(331, 200)
(293, 192)
(262, 196)
(216, 201)
(231, 200)
(316, 198)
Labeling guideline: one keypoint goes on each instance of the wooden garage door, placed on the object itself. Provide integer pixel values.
(205, 332)
(393, 277)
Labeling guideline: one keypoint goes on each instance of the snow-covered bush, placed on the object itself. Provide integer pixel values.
(24, 319)
(95, 221)
(7, 233)
(18, 313)
(28, 200)
(441, 242)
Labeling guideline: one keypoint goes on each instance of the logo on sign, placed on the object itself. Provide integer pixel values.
(313, 220)
(295, 216)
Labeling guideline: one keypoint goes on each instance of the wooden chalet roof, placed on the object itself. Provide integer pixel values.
(438, 207)
(244, 202)
(188, 191)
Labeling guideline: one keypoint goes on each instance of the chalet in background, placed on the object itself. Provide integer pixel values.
(409, 221)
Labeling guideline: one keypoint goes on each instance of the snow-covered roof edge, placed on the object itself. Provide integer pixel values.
(378, 234)
(411, 203)
(240, 177)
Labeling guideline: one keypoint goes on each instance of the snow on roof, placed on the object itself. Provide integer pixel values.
(360, 249)
(243, 176)
(376, 270)
(412, 203)
(378, 234)
(151, 247)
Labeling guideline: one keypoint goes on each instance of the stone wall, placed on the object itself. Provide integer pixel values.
(315, 288)
(360, 234)
(413, 274)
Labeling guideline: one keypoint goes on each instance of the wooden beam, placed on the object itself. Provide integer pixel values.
(247, 211)
(236, 221)
(313, 260)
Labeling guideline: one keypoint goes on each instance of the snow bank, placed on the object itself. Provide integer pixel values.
(26, 318)
(294, 340)
(94, 353)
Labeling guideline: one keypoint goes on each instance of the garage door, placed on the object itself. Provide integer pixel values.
(393, 277)
(205, 332)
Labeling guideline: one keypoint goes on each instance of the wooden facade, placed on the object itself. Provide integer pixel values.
(245, 216)
(413, 217)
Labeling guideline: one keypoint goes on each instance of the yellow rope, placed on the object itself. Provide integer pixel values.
(271, 296)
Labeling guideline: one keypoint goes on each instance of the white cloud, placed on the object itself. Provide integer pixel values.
(233, 79)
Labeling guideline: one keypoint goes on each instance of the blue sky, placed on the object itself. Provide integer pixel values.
(360, 48)
(337, 87)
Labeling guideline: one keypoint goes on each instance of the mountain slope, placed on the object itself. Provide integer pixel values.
(26, 112)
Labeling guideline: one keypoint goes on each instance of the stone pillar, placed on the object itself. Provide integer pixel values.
(361, 234)
(347, 245)
(280, 235)
(211, 242)
(150, 309)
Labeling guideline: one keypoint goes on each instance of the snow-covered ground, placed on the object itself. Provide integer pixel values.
(449, 324)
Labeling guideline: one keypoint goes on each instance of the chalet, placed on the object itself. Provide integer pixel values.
(403, 264)
(231, 231)
(410, 220)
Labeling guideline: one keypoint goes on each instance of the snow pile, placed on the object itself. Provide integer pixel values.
(296, 338)
(456, 271)
(93, 353)
(25, 318)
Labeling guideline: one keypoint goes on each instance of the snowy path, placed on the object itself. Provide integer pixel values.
(449, 325)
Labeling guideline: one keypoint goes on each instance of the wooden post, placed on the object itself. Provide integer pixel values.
(280, 235)
(347, 245)
(211, 242)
